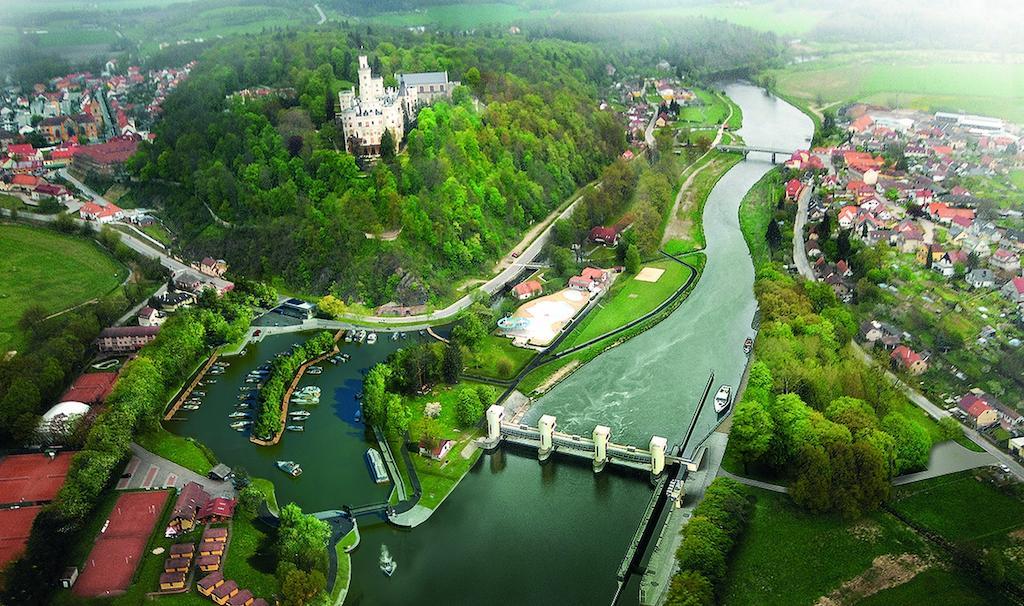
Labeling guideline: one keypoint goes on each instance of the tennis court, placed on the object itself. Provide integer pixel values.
(120, 546)
(31, 478)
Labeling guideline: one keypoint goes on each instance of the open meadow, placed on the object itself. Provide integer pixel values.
(934, 81)
(41, 267)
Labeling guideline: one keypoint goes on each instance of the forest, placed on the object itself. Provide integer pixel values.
(470, 182)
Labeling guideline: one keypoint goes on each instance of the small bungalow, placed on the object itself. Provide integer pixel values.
(211, 548)
(176, 565)
(215, 534)
(242, 598)
(580, 283)
(182, 550)
(172, 581)
(981, 414)
(224, 592)
(439, 451)
(148, 316)
(875, 333)
(210, 563)
(595, 275)
(210, 582)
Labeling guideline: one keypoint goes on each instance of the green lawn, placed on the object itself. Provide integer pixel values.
(788, 557)
(250, 558)
(628, 300)
(961, 508)
(42, 267)
(755, 213)
(10, 202)
(935, 587)
(183, 451)
(493, 353)
(438, 478)
(930, 81)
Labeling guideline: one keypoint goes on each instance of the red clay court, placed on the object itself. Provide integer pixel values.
(32, 477)
(15, 526)
(118, 551)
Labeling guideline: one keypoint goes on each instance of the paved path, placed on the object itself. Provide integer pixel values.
(799, 250)
(149, 470)
(754, 483)
(946, 458)
(323, 17)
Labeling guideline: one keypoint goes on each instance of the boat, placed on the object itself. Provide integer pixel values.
(348, 336)
(243, 352)
(238, 415)
(404, 335)
(748, 346)
(240, 425)
(360, 336)
(723, 398)
(359, 396)
(394, 336)
(315, 370)
(295, 428)
(242, 406)
(345, 358)
(199, 393)
(190, 407)
(290, 467)
(310, 389)
(376, 464)
(301, 414)
(371, 338)
(387, 563)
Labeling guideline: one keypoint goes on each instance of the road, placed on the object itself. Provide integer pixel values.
(323, 17)
(936, 412)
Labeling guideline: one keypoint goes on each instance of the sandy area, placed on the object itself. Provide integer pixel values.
(650, 274)
(548, 315)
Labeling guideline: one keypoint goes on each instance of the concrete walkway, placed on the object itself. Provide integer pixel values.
(754, 483)
(151, 471)
(946, 458)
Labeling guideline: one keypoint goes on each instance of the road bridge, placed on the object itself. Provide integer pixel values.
(747, 149)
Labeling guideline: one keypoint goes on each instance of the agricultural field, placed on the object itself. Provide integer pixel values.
(460, 16)
(939, 80)
(628, 300)
(42, 267)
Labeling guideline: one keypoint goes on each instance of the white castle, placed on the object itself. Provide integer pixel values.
(365, 117)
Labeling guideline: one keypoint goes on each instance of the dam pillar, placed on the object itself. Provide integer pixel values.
(601, 436)
(546, 426)
(495, 414)
(657, 448)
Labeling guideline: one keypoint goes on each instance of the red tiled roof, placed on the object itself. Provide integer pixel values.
(219, 507)
(114, 151)
(527, 288)
(592, 273)
(905, 356)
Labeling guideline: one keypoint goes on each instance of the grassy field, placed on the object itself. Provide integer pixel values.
(628, 299)
(789, 557)
(461, 16)
(935, 587)
(42, 267)
(961, 508)
(755, 213)
(493, 353)
(183, 451)
(250, 559)
(938, 80)
(438, 478)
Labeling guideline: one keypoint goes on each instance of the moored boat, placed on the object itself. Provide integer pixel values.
(748, 346)
(371, 338)
(190, 407)
(301, 414)
(295, 428)
(723, 398)
(387, 563)
(376, 463)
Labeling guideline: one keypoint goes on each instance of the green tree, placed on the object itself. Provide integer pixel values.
(913, 444)
(470, 330)
(388, 146)
(812, 488)
(752, 430)
(632, 260)
(299, 587)
(950, 428)
(451, 365)
(302, 539)
(690, 588)
(375, 402)
(468, 407)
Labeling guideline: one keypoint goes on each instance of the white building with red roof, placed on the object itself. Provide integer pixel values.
(91, 211)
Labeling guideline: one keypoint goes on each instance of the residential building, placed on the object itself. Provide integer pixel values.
(148, 316)
(224, 592)
(108, 159)
(580, 283)
(242, 598)
(172, 581)
(981, 278)
(875, 333)
(217, 509)
(212, 267)
(980, 413)
(527, 289)
(1014, 290)
(1005, 260)
(609, 236)
(207, 584)
(176, 565)
(125, 339)
(438, 451)
(186, 508)
(209, 563)
(182, 551)
(598, 276)
(904, 358)
(105, 213)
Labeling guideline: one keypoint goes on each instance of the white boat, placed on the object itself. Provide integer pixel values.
(238, 415)
(240, 425)
(387, 563)
(295, 428)
(371, 338)
(360, 336)
(723, 398)
(310, 389)
(301, 414)
(377, 469)
(290, 467)
(315, 370)
(394, 336)
(190, 407)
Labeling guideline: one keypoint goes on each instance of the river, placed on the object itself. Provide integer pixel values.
(651, 384)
